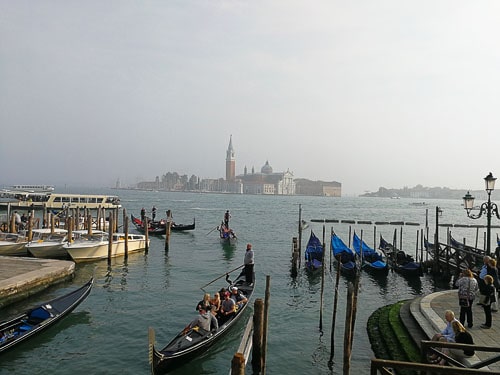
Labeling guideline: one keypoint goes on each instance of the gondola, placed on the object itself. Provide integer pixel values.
(347, 257)
(37, 319)
(400, 261)
(226, 235)
(160, 227)
(193, 342)
(314, 253)
(372, 260)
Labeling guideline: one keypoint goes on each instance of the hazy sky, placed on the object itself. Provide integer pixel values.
(367, 93)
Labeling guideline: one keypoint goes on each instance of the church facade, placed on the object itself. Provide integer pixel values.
(265, 182)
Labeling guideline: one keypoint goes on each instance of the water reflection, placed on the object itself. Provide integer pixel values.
(228, 251)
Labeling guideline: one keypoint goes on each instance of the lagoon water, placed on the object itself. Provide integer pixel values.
(107, 333)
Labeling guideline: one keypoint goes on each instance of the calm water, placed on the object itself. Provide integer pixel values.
(107, 334)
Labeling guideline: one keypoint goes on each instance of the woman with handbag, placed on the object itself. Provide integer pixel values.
(467, 290)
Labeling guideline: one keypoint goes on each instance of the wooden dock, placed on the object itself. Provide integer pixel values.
(21, 277)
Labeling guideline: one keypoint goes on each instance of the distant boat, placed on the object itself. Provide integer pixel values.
(42, 200)
(160, 227)
(226, 235)
(33, 188)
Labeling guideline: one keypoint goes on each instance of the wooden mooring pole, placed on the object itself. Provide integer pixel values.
(168, 229)
(146, 233)
(334, 315)
(258, 323)
(110, 237)
(125, 230)
(295, 256)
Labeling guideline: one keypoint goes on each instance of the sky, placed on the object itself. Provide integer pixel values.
(370, 94)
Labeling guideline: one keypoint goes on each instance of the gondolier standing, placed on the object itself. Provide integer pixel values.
(227, 216)
(249, 262)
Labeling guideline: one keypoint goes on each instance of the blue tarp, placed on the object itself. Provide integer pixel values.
(314, 248)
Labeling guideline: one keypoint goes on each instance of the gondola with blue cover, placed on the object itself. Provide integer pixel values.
(372, 260)
(39, 318)
(343, 254)
(314, 253)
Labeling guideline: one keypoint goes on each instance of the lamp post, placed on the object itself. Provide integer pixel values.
(487, 207)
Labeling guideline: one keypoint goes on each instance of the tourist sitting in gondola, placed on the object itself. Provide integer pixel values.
(238, 297)
(205, 302)
(227, 308)
(205, 320)
(215, 302)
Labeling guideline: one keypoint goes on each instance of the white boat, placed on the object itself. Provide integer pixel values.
(13, 244)
(95, 249)
(48, 244)
(33, 188)
(58, 201)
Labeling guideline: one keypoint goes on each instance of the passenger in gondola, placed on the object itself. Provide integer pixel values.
(227, 308)
(215, 302)
(205, 302)
(143, 214)
(204, 320)
(238, 297)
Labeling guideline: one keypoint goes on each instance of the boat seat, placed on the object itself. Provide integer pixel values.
(25, 327)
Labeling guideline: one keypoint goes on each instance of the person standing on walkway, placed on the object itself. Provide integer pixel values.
(467, 290)
(492, 270)
(482, 273)
(249, 263)
(489, 292)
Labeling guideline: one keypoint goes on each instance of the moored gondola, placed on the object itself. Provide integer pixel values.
(314, 253)
(343, 254)
(191, 342)
(372, 260)
(39, 318)
(400, 261)
(160, 227)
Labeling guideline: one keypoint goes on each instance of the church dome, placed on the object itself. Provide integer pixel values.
(266, 169)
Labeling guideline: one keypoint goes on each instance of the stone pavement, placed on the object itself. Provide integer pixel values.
(21, 277)
(429, 313)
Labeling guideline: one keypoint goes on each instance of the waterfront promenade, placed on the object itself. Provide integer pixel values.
(429, 313)
(21, 277)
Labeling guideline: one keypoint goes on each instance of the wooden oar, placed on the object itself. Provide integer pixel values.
(224, 274)
(212, 230)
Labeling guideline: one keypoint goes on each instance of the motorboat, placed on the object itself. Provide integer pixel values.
(13, 244)
(48, 243)
(97, 246)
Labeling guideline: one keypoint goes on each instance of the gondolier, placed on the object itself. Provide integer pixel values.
(249, 262)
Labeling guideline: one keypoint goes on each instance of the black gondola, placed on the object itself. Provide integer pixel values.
(160, 227)
(400, 261)
(188, 345)
(37, 319)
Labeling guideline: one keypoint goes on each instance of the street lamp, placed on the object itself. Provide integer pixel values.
(487, 207)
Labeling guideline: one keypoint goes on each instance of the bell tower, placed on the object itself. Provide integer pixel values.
(230, 161)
